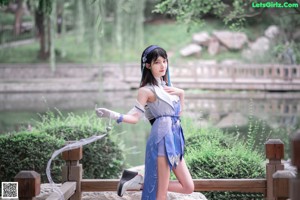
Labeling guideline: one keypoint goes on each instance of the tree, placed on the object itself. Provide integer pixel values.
(239, 13)
(233, 13)
(18, 17)
(42, 10)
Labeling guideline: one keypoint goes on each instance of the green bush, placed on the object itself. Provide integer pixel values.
(32, 150)
(208, 157)
(101, 159)
(210, 154)
(28, 151)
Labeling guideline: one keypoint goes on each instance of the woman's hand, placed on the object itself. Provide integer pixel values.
(103, 112)
(178, 92)
(174, 91)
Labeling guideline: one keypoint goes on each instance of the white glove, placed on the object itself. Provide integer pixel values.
(103, 112)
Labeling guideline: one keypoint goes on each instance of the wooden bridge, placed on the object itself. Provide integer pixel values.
(278, 184)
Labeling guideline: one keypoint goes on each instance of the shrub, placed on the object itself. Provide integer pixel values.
(210, 154)
(32, 150)
(101, 159)
(28, 151)
(212, 159)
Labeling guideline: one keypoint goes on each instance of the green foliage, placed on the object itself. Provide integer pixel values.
(101, 159)
(4, 3)
(162, 34)
(193, 12)
(6, 18)
(210, 154)
(32, 150)
(235, 14)
(44, 6)
(288, 53)
(256, 132)
(28, 151)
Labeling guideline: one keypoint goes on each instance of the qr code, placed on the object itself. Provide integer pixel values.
(9, 190)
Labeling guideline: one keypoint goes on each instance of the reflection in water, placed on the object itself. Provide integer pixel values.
(222, 109)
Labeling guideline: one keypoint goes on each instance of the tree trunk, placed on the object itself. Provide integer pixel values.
(80, 29)
(52, 34)
(62, 31)
(18, 18)
(39, 21)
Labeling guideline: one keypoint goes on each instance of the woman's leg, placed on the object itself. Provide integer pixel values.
(163, 173)
(185, 182)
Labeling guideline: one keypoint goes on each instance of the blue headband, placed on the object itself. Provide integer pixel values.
(144, 59)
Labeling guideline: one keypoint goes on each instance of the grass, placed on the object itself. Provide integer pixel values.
(171, 36)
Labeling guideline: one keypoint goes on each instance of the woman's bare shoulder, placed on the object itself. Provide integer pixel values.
(147, 93)
(144, 90)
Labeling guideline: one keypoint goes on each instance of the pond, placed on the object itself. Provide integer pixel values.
(228, 110)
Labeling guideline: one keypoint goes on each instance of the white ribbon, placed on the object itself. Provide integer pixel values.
(68, 147)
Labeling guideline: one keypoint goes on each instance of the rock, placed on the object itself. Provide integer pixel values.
(191, 49)
(257, 49)
(137, 196)
(214, 46)
(272, 31)
(248, 54)
(46, 189)
(261, 44)
(201, 38)
(231, 40)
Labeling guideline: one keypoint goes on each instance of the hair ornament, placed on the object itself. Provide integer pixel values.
(144, 59)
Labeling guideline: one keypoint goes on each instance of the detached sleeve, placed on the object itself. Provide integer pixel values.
(138, 110)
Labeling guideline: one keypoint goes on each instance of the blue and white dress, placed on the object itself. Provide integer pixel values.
(166, 137)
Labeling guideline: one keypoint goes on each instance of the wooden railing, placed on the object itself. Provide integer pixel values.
(278, 184)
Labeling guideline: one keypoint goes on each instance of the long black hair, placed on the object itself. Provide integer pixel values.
(149, 55)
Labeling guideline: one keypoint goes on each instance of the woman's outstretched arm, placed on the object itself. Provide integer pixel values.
(133, 116)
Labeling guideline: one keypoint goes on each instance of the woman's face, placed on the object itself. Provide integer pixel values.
(159, 67)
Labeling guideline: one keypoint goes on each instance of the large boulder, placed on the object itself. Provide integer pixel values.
(201, 38)
(261, 44)
(272, 31)
(214, 46)
(191, 49)
(232, 40)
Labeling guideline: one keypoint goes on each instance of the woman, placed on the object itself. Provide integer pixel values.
(162, 104)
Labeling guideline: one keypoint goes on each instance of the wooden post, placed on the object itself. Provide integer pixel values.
(274, 152)
(295, 182)
(281, 184)
(72, 171)
(29, 184)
